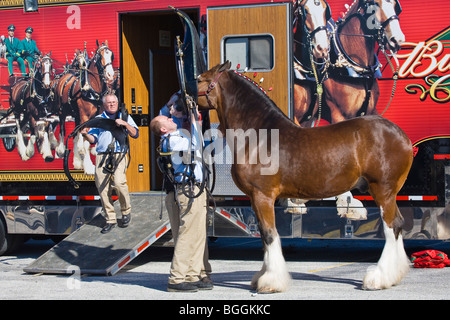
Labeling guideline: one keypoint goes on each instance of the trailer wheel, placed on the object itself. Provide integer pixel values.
(14, 242)
(9, 242)
(10, 143)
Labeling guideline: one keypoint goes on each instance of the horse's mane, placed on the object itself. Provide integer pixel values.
(351, 9)
(264, 107)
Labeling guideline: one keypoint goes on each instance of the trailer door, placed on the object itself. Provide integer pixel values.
(257, 40)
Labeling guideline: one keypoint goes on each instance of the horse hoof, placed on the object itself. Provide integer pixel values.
(267, 290)
(48, 159)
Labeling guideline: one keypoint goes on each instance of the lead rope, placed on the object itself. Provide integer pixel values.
(319, 87)
(395, 75)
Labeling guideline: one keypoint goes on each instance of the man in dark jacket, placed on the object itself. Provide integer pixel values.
(13, 51)
(29, 48)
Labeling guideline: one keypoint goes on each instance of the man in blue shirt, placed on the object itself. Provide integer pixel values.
(105, 180)
(190, 269)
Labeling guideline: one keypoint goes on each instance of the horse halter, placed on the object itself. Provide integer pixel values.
(41, 64)
(211, 87)
(81, 60)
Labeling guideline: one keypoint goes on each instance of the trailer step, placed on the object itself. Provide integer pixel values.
(87, 251)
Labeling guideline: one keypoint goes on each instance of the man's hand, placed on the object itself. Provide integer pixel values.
(131, 130)
(87, 136)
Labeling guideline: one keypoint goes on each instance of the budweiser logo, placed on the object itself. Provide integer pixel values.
(431, 61)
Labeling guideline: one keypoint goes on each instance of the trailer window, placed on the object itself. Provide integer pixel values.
(254, 52)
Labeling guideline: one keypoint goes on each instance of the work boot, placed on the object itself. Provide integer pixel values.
(108, 227)
(182, 287)
(204, 284)
(126, 220)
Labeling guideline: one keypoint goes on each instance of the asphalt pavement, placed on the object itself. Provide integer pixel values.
(320, 270)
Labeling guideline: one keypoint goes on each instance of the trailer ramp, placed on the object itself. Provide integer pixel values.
(88, 251)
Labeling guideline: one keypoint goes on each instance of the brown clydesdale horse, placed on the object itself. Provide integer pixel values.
(351, 89)
(369, 153)
(29, 102)
(79, 94)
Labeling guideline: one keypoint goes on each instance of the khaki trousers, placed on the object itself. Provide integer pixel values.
(106, 183)
(190, 258)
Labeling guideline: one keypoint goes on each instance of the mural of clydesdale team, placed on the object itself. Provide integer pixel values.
(76, 92)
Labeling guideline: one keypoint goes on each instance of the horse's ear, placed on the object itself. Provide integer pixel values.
(50, 53)
(225, 66)
(97, 43)
(106, 42)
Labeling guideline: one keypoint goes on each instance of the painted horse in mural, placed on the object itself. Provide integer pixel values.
(311, 54)
(29, 101)
(351, 89)
(369, 153)
(79, 94)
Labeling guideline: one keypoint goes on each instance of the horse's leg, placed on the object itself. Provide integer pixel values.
(394, 263)
(61, 107)
(51, 136)
(59, 151)
(26, 152)
(372, 110)
(302, 102)
(40, 128)
(77, 158)
(89, 167)
(349, 207)
(21, 147)
(273, 276)
(83, 145)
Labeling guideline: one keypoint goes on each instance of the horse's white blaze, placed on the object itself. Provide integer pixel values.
(47, 70)
(274, 276)
(392, 266)
(394, 33)
(109, 71)
(320, 40)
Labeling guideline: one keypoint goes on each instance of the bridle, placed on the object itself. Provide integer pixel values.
(211, 87)
(100, 66)
(381, 31)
